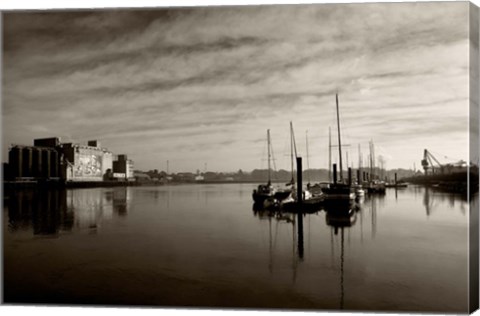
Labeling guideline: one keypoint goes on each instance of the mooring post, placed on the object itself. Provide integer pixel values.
(299, 181)
(299, 205)
(349, 176)
(334, 173)
(395, 178)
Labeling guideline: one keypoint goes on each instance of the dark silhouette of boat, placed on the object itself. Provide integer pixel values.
(267, 192)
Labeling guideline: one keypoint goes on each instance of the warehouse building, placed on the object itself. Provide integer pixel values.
(123, 168)
(39, 161)
(48, 158)
(87, 163)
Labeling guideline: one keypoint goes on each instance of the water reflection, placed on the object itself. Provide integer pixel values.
(433, 198)
(327, 260)
(46, 212)
(340, 217)
(50, 212)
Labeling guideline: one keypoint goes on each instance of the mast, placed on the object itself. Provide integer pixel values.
(339, 140)
(293, 152)
(269, 156)
(359, 157)
(371, 158)
(329, 154)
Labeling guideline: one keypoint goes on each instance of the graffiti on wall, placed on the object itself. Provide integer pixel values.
(88, 166)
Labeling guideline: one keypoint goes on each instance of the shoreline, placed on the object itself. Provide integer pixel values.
(56, 184)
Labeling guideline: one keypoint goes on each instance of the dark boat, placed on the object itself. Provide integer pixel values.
(337, 191)
(281, 195)
(263, 192)
(376, 187)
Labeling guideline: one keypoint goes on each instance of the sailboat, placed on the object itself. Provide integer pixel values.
(265, 191)
(287, 195)
(313, 194)
(375, 185)
(339, 191)
(359, 191)
(309, 201)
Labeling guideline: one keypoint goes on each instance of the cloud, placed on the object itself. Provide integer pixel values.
(182, 84)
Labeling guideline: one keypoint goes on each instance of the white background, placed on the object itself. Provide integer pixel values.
(82, 311)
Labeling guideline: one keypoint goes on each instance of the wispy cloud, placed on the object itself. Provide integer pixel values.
(198, 85)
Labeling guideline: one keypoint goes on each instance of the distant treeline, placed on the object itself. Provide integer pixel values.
(261, 175)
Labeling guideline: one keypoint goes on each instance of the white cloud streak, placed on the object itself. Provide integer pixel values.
(203, 84)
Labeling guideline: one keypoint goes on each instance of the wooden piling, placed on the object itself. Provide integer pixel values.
(299, 181)
(335, 173)
(349, 177)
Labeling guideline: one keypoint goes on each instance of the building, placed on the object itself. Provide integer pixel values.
(87, 163)
(42, 160)
(123, 168)
(48, 158)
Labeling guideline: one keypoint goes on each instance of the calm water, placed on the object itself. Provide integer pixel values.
(203, 245)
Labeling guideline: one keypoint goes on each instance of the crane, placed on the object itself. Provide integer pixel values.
(429, 162)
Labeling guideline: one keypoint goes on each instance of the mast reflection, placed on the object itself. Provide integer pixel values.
(339, 217)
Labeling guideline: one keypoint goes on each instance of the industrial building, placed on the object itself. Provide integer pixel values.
(39, 161)
(123, 168)
(87, 163)
(49, 159)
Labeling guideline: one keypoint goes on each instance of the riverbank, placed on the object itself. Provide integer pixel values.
(32, 184)
(14, 185)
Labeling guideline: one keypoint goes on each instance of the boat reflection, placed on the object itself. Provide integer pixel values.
(340, 217)
(295, 219)
(51, 212)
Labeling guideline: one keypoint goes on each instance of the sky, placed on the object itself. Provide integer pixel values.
(200, 86)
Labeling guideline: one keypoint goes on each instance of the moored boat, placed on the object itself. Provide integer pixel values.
(339, 191)
(376, 187)
(265, 191)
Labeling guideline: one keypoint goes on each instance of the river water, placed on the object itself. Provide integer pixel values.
(204, 245)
